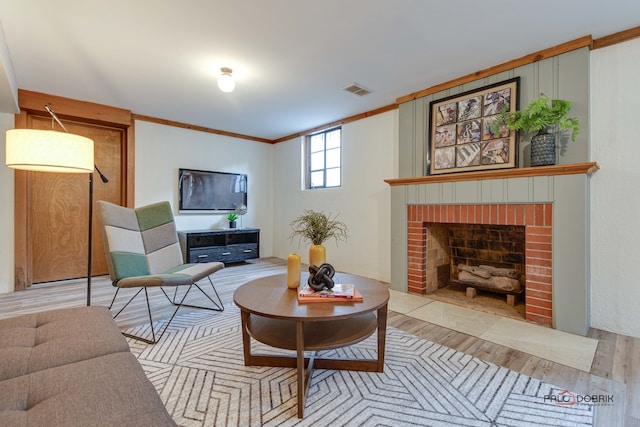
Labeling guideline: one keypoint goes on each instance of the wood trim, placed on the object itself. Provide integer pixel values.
(129, 172)
(198, 128)
(615, 38)
(572, 169)
(346, 120)
(585, 41)
(71, 109)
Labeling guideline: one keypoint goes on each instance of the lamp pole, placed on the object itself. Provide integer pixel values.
(90, 239)
(89, 265)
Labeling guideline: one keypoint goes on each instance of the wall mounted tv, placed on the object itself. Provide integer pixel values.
(202, 191)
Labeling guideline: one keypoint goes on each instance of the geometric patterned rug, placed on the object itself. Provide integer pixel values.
(198, 370)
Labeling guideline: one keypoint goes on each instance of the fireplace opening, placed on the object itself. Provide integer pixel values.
(427, 261)
(481, 266)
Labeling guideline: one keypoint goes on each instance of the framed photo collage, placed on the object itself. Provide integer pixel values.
(460, 136)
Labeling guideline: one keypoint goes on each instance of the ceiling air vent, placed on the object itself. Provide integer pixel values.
(357, 89)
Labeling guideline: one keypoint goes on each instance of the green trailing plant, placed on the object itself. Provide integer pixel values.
(317, 227)
(540, 114)
(232, 217)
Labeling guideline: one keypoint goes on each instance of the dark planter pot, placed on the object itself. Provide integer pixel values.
(232, 224)
(543, 149)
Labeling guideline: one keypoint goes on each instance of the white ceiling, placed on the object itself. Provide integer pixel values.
(291, 58)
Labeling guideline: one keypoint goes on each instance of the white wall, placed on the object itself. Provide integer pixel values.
(615, 193)
(162, 150)
(369, 156)
(6, 212)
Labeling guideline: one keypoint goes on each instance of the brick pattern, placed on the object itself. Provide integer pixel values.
(536, 218)
(417, 257)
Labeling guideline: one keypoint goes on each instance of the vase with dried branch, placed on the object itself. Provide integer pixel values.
(317, 228)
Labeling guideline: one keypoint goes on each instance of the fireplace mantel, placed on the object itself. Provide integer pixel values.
(571, 169)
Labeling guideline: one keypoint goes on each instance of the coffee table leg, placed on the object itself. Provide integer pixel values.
(300, 367)
(382, 335)
(246, 340)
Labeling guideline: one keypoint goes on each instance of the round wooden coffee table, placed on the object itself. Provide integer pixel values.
(271, 314)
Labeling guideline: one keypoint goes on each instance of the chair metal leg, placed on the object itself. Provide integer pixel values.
(218, 306)
(153, 332)
(114, 298)
(153, 339)
(127, 303)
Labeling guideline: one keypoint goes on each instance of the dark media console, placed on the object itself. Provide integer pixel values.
(230, 245)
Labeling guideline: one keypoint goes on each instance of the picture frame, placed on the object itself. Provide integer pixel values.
(460, 134)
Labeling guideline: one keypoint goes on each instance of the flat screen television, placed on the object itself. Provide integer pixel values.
(202, 191)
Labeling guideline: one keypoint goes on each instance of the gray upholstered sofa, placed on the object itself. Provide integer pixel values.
(72, 367)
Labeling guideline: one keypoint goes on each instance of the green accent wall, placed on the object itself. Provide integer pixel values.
(564, 76)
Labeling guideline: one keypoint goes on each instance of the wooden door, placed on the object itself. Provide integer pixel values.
(59, 214)
(52, 209)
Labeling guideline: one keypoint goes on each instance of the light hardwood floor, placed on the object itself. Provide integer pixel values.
(615, 370)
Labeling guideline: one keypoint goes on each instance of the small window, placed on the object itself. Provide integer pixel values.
(324, 159)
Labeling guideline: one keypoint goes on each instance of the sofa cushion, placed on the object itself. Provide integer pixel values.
(109, 390)
(73, 367)
(38, 341)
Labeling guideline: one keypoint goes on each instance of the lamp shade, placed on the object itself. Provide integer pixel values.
(49, 151)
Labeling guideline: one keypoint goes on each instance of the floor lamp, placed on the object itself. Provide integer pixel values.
(52, 151)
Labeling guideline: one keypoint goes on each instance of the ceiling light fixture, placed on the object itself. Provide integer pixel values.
(226, 83)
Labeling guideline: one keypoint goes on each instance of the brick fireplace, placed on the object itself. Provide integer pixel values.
(536, 218)
(551, 202)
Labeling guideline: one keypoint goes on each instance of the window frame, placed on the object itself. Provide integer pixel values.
(324, 169)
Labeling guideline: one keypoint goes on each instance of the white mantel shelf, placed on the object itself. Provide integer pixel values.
(571, 169)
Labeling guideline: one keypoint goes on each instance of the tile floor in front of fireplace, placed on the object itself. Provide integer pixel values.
(557, 346)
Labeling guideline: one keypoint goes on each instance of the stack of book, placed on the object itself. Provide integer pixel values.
(339, 292)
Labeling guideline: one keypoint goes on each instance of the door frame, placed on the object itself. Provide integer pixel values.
(33, 103)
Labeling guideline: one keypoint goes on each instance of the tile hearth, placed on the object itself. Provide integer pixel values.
(550, 344)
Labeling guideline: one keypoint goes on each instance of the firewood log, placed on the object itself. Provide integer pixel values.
(498, 283)
(481, 272)
(504, 272)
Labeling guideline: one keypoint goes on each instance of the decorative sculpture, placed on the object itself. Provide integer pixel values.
(321, 277)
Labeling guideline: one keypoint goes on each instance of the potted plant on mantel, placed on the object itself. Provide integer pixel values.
(317, 227)
(539, 115)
